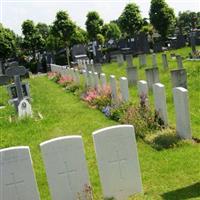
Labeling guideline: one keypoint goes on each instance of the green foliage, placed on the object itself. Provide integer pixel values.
(33, 40)
(162, 17)
(100, 39)
(7, 42)
(79, 36)
(130, 20)
(63, 27)
(93, 24)
(43, 29)
(188, 20)
(111, 31)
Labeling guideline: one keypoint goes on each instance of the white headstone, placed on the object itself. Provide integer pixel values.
(183, 128)
(124, 88)
(90, 79)
(77, 77)
(24, 109)
(113, 87)
(117, 159)
(142, 88)
(160, 101)
(16, 175)
(96, 80)
(103, 80)
(66, 167)
(85, 76)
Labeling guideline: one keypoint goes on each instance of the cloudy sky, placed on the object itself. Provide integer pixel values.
(14, 12)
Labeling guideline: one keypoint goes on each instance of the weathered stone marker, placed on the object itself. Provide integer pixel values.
(98, 68)
(77, 76)
(66, 167)
(90, 79)
(142, 88)
(152, 76)
(113, 87)
(124, 88)
(142, 60)
(154, 61)
(85, 77)
(183, 128)
(24, 109)
(120, 60)
(16, 72)
(164, 61)
(16, 174)
(129, 60)
(179, 78)
(117, 159)
(179, 62)
(132, 75)
(160, 101)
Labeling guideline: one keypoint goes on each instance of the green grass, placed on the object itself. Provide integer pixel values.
(168, 174)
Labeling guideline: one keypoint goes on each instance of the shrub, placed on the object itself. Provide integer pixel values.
(65, 80)
(54, 76)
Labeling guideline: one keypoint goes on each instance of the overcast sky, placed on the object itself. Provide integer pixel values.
(14, 12)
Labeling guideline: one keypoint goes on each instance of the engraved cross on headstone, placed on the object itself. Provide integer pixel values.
(16, 72)
(15, 183)
(119, 162)
(67, 172)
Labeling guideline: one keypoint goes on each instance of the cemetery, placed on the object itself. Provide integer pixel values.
(93, 123)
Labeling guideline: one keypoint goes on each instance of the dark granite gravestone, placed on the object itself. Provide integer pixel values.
(181, 41)
(4, 80)
(79, 52)
(193, 41)
(179, 78)
(16, 72)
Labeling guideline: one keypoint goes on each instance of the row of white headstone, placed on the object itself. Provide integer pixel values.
(66, 167)
(180, 96)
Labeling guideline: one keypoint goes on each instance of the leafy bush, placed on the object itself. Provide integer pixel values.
(65, 80)
(54, 76)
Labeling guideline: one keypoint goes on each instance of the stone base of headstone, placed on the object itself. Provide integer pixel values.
(132, 75)
(179, 78)
(152, 76)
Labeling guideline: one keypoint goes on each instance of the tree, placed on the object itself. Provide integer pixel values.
(100, 39)
(130, 20)
(93, 24)
(162, 17)
(79, 36)
(32, 40)
(43, 29)
(111, 31)
(186, 21)
(7, 42)
(64, 28)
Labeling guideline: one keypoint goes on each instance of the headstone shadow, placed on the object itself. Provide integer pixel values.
(191, 191)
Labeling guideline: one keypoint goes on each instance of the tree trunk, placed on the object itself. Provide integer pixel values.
(68, 61)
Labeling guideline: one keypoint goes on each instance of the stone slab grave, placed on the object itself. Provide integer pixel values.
(152, 76)
(96, 80)
(85, 77)
(16, 174)
(120, 59)
(142, 88)
(117, 159)
(154, 61)
(179, 78)
(183, 128)
(113, 86)
(66, 168)
(165, 61)
(98, 68)
(91, 79)
(142, 60)
(160, 101)
(179, 61)
(124, 88)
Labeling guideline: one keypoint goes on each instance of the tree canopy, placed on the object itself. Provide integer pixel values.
(93, 24)
(162, 17)
(130, 20)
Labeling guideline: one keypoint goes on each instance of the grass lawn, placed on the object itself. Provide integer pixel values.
(167, 174)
